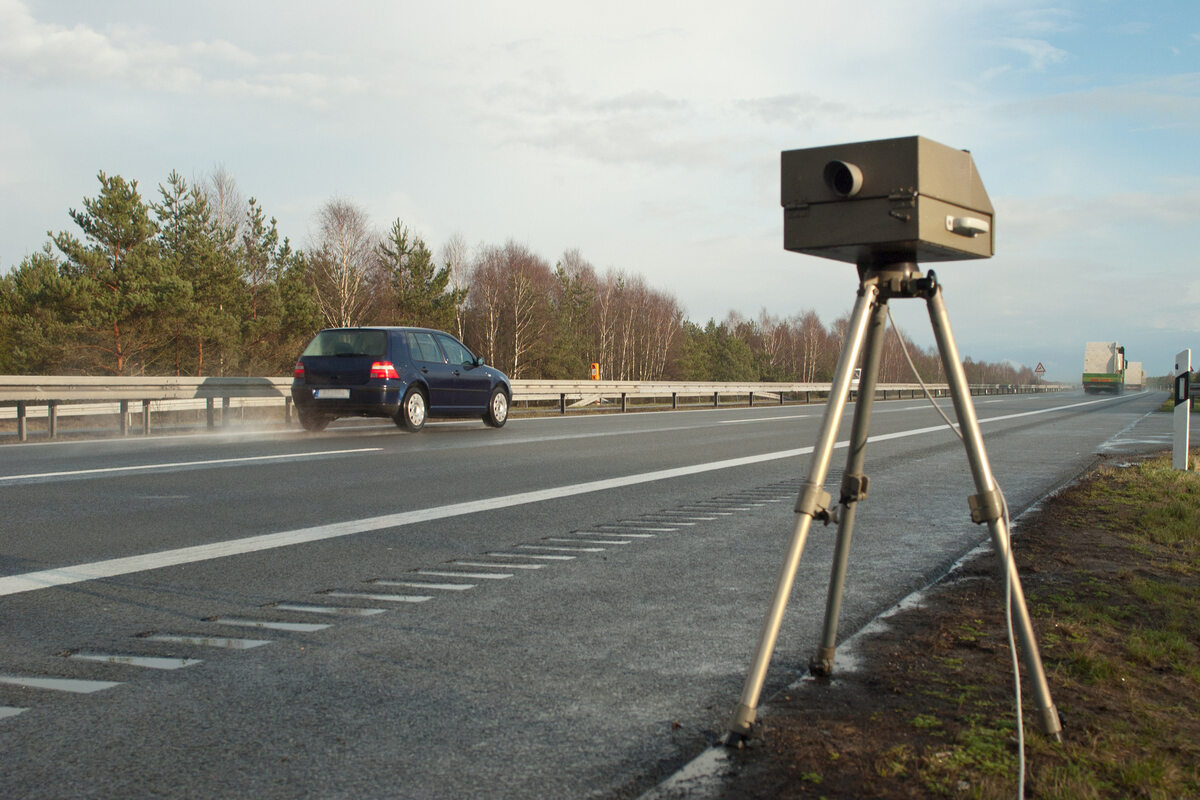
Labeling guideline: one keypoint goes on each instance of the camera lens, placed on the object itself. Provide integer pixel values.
(843, 178)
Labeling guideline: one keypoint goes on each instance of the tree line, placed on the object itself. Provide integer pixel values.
(199, 281)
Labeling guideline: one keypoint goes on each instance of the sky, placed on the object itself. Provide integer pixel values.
(647, 136)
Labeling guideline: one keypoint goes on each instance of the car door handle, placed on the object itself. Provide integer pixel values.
(425, 370)
(456, 372)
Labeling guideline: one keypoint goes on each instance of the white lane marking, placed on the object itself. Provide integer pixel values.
(475, 576)
(45, 579)
(589, 541)
(385, 598)
(496, 565)
(343, 611)
(542, 558)
(10, 711)
(207, 641)
(74, 685)
(297, 627)
(765, 419)
(138, 468)
(445, 587)
(147, 662)
(561, 549)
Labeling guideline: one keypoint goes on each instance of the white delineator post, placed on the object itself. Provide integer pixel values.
(1183, 408)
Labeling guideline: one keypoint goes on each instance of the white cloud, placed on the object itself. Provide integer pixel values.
(1040, 53)
(1044, 21)
(1166, 100)
(133, 57)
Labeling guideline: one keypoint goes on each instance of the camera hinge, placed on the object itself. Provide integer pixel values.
(901, 200)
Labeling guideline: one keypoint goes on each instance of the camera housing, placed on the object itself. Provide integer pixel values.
(892, 200)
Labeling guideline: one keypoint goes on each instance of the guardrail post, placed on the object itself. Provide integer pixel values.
(752, 399)
(562, 403)
(22, 423)
(674, 400)
(145, 417)
(52, 418)
(224, 412)
(716, 399)
(781, 397)
(208, 410)
(624, 402)
(124, 417)
(287, 411)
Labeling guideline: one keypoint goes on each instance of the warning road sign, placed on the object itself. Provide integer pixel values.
(1039, 369)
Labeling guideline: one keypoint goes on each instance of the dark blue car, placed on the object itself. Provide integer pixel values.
(405, 374)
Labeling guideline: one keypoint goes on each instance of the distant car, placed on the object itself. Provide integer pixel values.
(405, 374)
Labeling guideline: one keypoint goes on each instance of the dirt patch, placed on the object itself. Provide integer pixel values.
(1114, 598)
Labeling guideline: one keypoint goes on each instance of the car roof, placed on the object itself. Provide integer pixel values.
(384, 328)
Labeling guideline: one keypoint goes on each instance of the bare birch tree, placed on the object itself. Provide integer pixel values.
(342, 264)
(227, 203)
(456, 256)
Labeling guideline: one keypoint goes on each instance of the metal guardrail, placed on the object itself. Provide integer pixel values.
(51, 396)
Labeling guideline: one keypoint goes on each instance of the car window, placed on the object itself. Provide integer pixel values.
(423, 348)
(456, 353)
(347, 342)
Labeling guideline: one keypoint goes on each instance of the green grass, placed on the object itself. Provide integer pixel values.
(1122, 650)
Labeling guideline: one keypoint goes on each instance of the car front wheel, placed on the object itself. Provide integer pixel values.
(412, 413)
(497, 410)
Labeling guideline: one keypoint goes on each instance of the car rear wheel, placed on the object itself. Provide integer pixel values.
(312, 420)
(413, 411)
(497, 410)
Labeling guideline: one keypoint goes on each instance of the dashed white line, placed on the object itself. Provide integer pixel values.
(295, 627)
(479, 576)
(381, 598)
(148, 662)
(73, 685)
(438, 587)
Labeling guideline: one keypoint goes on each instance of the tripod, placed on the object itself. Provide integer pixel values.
(864, 336)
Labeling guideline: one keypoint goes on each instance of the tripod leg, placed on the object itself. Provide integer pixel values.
(854, 488)
(813, 501)
(986, 506)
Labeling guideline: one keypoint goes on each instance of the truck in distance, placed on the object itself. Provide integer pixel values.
(1103, 368)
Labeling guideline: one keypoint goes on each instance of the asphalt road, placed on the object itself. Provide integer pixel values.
(561, 608)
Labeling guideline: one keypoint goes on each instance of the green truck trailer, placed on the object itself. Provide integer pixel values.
(1104, 368)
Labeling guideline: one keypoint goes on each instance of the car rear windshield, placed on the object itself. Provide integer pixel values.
(348, 343)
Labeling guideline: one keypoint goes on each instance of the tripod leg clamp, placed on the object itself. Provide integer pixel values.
(854, 488)
(986, 506)
(815, 502)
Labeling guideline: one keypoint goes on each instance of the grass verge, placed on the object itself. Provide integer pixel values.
(1111, 572)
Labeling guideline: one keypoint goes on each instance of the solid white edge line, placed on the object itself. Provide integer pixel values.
(177, 464)
(62, 576)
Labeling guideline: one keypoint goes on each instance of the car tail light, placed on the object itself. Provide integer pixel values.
(385, 370)
(298, 371)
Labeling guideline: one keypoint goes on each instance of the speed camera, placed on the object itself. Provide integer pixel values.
(886, 201)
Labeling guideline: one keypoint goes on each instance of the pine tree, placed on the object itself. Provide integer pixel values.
(282, 312)
(198, 250)
(421, 289)
(37, 305)
(119, 267)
